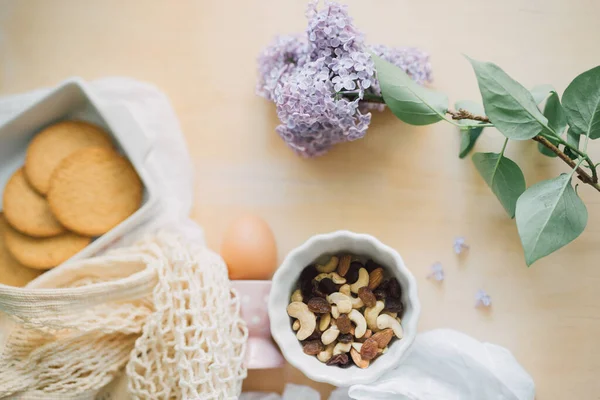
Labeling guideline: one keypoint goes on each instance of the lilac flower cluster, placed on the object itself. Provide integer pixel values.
(318, 83)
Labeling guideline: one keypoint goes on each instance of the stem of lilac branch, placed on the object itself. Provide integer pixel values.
(581, 174)
(464, 114)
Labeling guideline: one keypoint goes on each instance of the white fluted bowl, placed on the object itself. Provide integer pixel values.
(286, 278)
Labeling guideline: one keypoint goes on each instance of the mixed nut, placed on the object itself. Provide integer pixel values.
(345, 311)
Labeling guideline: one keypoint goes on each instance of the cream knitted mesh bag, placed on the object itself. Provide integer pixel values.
(162, 311)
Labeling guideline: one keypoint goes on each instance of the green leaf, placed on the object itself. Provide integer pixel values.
(510, 106)
(540, 92)
(412, 103)
(581, 101)
(503, 176)
(557, 120)
(469, 136)
(573, 140)
(549, 215)
(467, 141)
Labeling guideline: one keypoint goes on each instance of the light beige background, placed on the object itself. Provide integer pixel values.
(403, 184)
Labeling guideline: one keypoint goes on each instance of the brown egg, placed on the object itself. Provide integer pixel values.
(249, 249)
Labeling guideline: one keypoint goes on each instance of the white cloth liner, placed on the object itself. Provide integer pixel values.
(443, 365)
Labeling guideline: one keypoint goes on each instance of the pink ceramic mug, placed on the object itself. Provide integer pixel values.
(261, 352)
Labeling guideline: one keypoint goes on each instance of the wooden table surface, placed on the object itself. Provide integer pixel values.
(403, 184)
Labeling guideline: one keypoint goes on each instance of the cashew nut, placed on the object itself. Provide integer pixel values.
(386, 321)
(297, 296)
(308, 320)
(371, 314)
(330, 335)
(345, 289)
(356, 301)
(330, 266)
(343, 302)
(361, 324)
(296, 325)
(360, 363)
(324, 322)
(335, 313)
(326, 354)
(357, 346)
(321, 276)
(363, 280)
(334, 276)
(341, 348)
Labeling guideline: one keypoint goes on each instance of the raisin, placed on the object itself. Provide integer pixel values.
(316, 292)
(369, 349)
(345, 338)
(352, 274)
(371, 265)
(319, 305)
(308, 274)
(316, 335)
(313, 347)
(380, 293)
(344, 324)
(340, 360)
(327, 286)
(306, 287)
(367, 296)
(393, 288)
(394, 304)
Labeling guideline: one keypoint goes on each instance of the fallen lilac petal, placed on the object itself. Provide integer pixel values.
(482, 299)
(460, 245)
(437, 272)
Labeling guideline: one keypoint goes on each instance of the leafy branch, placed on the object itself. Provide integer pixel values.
(549, 214)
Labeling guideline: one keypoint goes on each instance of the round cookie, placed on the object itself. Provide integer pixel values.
(93, 190)
(12, 272)
(43, 253)
(26, 210)
(49, 147)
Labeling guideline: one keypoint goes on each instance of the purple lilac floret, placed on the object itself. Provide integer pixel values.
(460, 245)
(317, 81)
(437, 272)
(482, 299)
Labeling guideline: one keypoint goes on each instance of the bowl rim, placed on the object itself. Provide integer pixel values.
(287, 341)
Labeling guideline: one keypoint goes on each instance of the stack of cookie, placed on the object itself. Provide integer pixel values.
(73, 187)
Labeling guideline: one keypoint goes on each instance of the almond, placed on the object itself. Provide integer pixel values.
(375, 278)
(358, 359)
(344, 264)
(383, 337)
